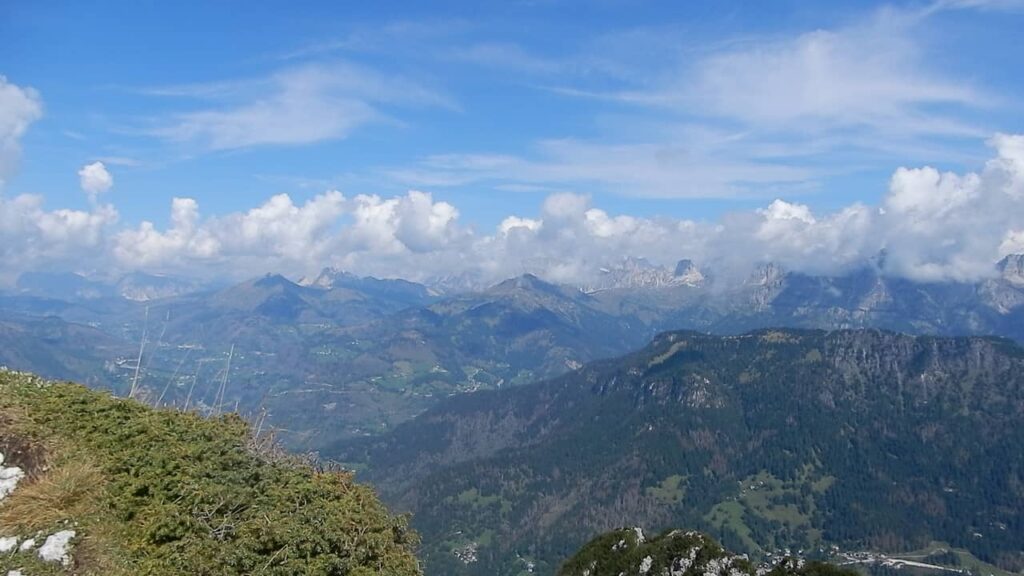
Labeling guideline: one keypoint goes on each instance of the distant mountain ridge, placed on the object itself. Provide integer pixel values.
(640, 273)
(137, 286)
(338, 355)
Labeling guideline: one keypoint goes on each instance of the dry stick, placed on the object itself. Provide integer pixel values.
(219, 399)
(173, 376)
(259, 426)
(159, 339)
(138, 362)
(195, 377)
(211, 384)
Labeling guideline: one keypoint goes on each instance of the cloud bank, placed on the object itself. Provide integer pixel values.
(931, 226)
(19, 108)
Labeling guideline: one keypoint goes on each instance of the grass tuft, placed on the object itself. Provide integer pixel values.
(60, 494)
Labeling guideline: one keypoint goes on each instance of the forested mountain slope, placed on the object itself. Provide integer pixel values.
(772, 439)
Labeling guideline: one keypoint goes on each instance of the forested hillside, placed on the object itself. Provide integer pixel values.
(768, 440)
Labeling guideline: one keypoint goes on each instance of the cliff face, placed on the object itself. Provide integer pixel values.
(768, 440)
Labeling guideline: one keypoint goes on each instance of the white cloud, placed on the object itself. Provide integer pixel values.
(513, 223)
(278, 235)
(875, 75)
(692, 166)
(872, 75)
(930, 226)
(32, 237)
(752, 116)
(19, 108)
(182, 242)
(993, 5)
(297, 106)
(95, 179)
(1013, 243)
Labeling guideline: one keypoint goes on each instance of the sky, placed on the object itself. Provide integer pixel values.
(489, 138)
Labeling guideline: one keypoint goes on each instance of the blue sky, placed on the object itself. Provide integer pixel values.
(688, 110)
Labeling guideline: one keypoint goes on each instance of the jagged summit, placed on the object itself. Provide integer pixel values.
(633, 273)
(1011, 268)
(143, 287)
(524, 282)
(404, 291)
(688, 274)
(273, 280)
(327, 278)
(767, 274)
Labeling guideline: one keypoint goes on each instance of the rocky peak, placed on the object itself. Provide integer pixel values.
(688, 274)
(273, 281)
(768, 275)
(765, 283)
(143, 287)
(634, 272)
(1011, 269)
(327, 278)
(525, 282)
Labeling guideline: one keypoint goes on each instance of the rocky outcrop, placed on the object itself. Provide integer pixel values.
(678, 553)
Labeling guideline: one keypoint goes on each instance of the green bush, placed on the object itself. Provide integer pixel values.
(184, 494)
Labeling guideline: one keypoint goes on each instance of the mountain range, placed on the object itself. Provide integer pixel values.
(336, 355)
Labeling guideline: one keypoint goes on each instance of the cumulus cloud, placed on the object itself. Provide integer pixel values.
(275, 235)
(19, 108)
(95, 179)
(180, 243)
(930, 226)
(281, 235)
(32, 237)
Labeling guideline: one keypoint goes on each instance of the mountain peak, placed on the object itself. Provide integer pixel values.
(767, 274)
(143, 286)
(687, 273)
(273, 280)
(524, 282)
(327, 278)
(1011, 268)
(641, 273)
